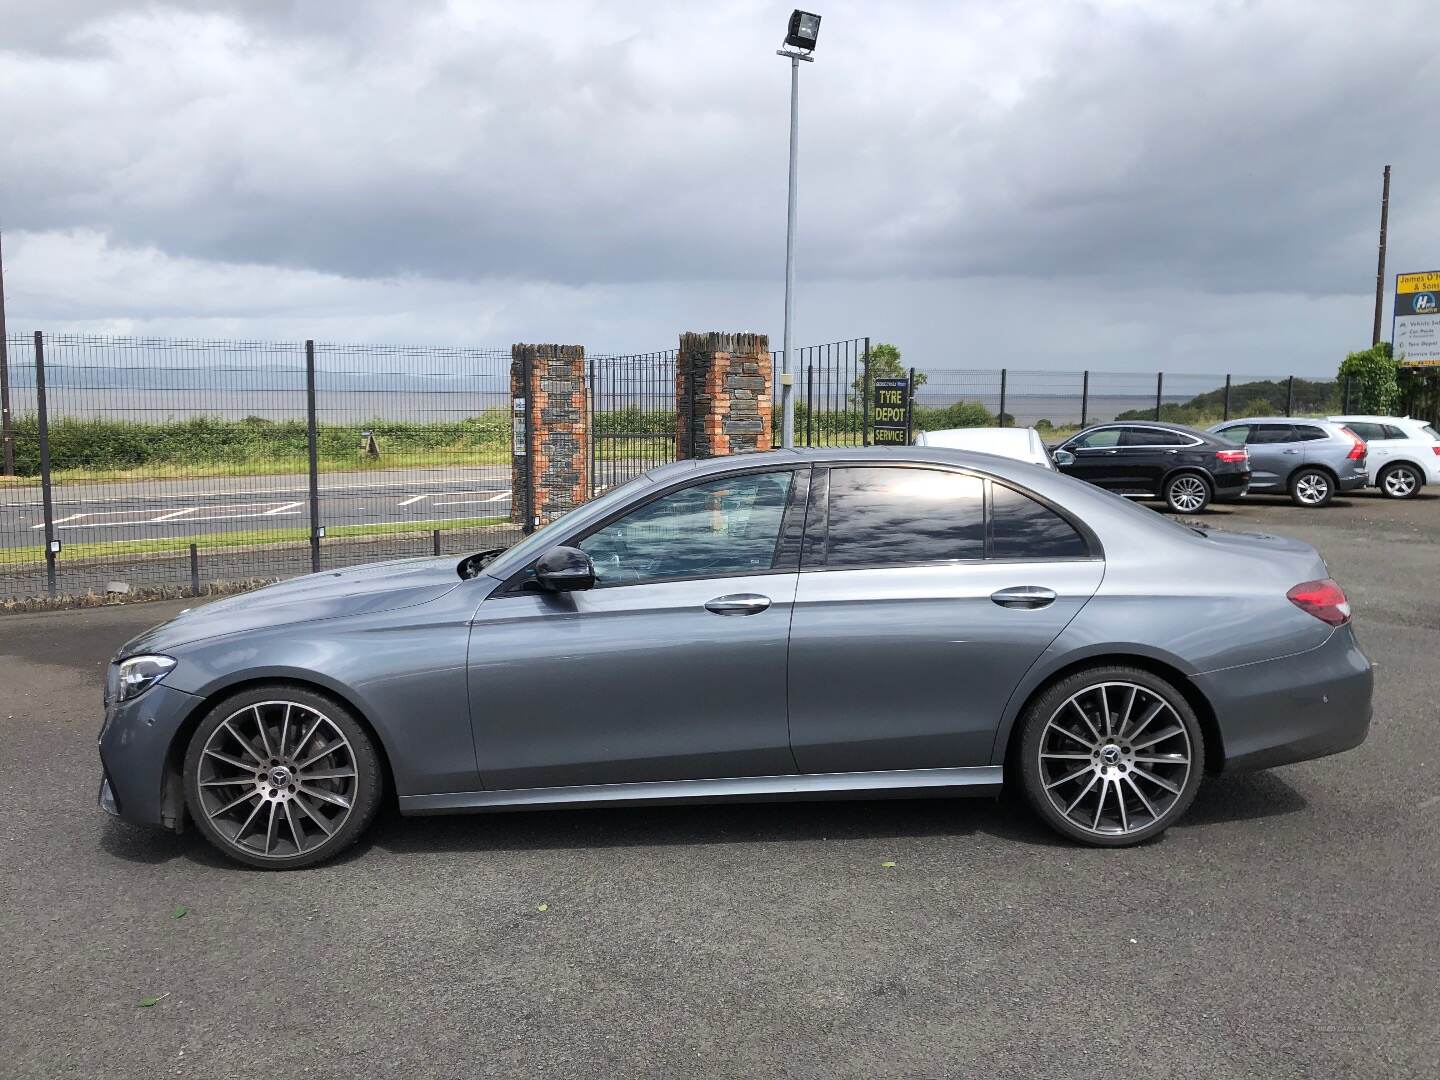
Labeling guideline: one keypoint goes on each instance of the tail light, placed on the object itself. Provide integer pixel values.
(1232, 457)
(1436, 448)
(1323, 599)
(1357, 451)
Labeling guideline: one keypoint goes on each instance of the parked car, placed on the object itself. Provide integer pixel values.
(853, 622)
(1020, 443)
(1308, 459)
(1404, 453)
(1185, 467)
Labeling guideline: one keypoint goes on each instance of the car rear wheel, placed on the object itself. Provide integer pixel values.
(280, 777)
(1399, 481)
(1187, 493)
(1111, 756)
(1311, 487)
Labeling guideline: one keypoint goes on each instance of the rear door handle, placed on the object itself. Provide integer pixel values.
(1292, 451)
(738, 604)
(1024, 596)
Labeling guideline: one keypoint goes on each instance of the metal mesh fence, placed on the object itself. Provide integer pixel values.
(179, 466)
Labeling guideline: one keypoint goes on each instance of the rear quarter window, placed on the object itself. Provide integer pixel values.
(1022, 528)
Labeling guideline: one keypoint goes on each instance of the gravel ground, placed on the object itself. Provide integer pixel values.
(1287, 928)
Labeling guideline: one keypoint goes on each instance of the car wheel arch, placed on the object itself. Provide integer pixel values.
(1317, 467)
(215, 693)
(1190, 470)
(1164, 665)
(1418, 468)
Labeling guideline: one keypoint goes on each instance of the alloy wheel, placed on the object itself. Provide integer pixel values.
(1188, 494)
(1114, 759)
(1401, 482)
(1312, 488)
(277, 779)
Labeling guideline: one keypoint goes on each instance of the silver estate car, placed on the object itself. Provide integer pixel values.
(785, 625)
(1310, 460)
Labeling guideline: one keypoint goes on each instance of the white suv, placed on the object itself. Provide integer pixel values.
(1404, 454)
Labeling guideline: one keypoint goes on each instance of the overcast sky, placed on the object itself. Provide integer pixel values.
(1122, 186)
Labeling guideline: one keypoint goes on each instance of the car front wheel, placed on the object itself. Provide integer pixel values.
(1187, 493)
(280, 777)
(1111, 756)
(1400, 481)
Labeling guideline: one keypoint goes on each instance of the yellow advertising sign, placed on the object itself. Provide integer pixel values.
(1429, 281)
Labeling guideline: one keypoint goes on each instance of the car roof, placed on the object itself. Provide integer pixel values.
(1321, 421)
(1376, 419)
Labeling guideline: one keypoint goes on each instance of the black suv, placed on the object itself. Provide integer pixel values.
(1185, 467)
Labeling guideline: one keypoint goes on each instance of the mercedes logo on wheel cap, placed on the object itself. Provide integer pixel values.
(280, 776)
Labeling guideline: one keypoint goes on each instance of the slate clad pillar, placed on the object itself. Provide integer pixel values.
(724, 389)
(550, 444)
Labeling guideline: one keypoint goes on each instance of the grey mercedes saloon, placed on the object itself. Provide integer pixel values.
(786, 625)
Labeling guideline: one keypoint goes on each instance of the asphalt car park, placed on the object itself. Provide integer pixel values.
(1283, 928)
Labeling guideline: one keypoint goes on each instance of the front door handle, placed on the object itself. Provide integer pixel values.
(738, 604)
(1292, 451)
(1024, 596)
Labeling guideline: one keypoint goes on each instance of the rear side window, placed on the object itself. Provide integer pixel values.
(1150, 437)
(897, 516)
(1272, 433)
(1239, 435)
(1366, 430)
(1021, 528)
(1307, 433)
(1430, 431)
(1394, 432)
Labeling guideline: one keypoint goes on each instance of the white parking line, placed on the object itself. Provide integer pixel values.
(414, 498)
(282, 509)
(501, 497)
(175, 514)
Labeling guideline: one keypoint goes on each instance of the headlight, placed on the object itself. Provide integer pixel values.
(139, 673)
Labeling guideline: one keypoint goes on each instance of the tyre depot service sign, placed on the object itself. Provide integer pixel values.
(1416, 329)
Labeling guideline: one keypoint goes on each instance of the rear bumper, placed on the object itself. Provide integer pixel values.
(1292, 709)
(1353, 481)
(1231, 486)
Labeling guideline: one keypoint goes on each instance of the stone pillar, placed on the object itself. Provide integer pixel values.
(550, 445)
(724, 384)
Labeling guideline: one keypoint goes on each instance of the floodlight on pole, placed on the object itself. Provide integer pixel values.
(800, 38)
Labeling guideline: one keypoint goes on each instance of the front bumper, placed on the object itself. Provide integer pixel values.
(1294, 708)
(135, 746)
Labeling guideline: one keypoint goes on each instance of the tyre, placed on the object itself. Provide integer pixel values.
(1111, 756)
(1399, 481)
(1311, 487)
(280, 777)
(1187, 493)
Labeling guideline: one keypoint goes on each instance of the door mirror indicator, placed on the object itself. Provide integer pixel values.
(1063, 457)
(565, 569)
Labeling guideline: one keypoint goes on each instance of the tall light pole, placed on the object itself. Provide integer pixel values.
(800, 38)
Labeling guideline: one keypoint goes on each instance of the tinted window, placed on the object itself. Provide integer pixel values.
(1021, 528)
(1239, 435)
(885, 517)
(1309, 434)
(725, 526)
(1365, 430)
(1272, 433)
(1430, 431)
(1102, 437)
(1150, 437)
(1393, 432)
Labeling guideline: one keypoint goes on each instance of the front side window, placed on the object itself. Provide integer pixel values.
(725, 526)
(903, 516)
(1104, 437)
(1021, 528)
(1431, 432)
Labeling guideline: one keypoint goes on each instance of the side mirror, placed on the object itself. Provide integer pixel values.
(1063, 457)
(565, 569)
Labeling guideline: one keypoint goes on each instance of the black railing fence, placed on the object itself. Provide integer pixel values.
(632, 415)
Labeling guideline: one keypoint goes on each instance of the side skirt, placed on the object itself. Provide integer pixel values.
(976, 780)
